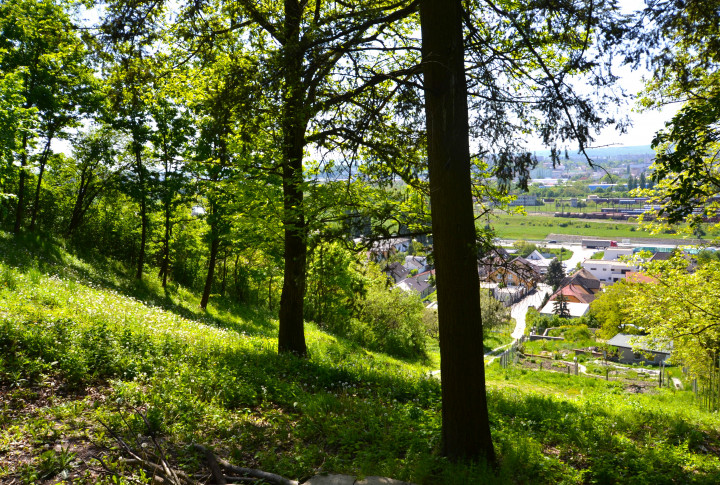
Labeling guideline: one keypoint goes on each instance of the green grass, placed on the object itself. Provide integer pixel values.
(529, 227)
(81, 343)
(537, 346)
(551, 208)
(562, 253)
(493, 340)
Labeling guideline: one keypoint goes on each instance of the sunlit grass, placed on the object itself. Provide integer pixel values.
(216, 378)
(537, 227)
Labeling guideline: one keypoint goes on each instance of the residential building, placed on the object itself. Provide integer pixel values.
(396, 272)
(517, 272)
(420, 284)
(418, 263)
(608, 271)
(580, 287)
(383, 249)
(576, 310)
(614, 253)
(639, 349)
(540, 261)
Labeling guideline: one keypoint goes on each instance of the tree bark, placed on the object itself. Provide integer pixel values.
(165, 267)
(143, 209)
(224, 275)
(211, 270)
(79, 201)
(465, 423)
(291, 337)
(21, 188)
(43, 162)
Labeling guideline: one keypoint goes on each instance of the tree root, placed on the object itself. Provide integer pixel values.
(154, 461)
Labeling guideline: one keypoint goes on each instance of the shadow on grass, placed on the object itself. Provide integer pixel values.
(604, 442)
(346, 409)
(49, 255)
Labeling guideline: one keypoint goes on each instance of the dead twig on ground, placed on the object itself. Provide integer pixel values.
(157, 463)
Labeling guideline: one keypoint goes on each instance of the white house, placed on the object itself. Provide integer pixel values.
(576, 310)
(418, 263)
(612, 254)
(608, 271)
(540, 261)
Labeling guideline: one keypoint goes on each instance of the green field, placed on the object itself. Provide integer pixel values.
(536, 227)
(590, 207)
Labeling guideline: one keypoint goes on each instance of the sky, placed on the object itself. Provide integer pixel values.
(647, 123)
(644, 124)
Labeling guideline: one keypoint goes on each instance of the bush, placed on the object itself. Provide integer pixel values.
(389, 320)
(577, 333)
(524, 248)
(333, 285)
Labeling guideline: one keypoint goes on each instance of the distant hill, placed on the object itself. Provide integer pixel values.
(613, 151)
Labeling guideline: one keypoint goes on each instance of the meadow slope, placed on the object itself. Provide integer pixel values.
(83, 346)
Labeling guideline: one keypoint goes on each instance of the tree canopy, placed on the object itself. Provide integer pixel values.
(679, 41)
(677, 308)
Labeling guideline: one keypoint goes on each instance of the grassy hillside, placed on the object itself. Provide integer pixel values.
(82, 347)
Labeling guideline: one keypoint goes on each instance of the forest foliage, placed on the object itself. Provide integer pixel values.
(254, 151)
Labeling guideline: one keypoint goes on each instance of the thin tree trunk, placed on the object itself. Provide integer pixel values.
(165, 267)
(465, 423)
(79, 200)
(211, 270)
(143, 210)
(238, 291)
(291, 336)
(43, 162)
(21, 187)
(224, 275)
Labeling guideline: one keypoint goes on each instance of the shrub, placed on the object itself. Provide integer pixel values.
(577, 333)
(389, 320)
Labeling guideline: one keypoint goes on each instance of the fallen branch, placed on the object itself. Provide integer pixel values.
(246, 472)
(221, 472)
(175, 476)
(212, 465)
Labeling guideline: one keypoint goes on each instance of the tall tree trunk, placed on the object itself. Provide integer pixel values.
(465, 423)
(21, 187)
(238, 291)
(291, 337)
(224, 275)
(79, 201)
(165, 267)
(143, 209)
(43, 162)
(214, 244)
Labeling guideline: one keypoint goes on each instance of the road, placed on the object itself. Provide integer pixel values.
(580, 254)
(519, 309)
